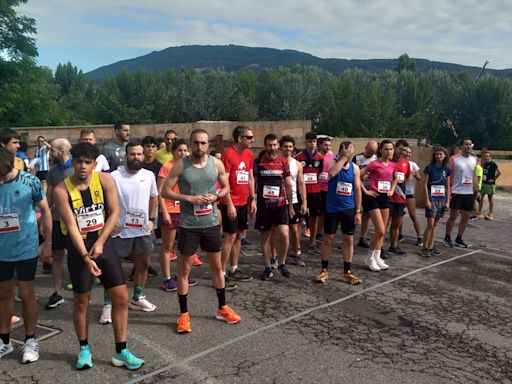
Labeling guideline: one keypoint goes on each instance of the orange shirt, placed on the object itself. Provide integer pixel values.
(172, 206)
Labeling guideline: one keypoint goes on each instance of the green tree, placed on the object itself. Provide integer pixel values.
(405, 63)
(15, 30)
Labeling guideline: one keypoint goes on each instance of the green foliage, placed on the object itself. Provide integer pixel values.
(14, 31)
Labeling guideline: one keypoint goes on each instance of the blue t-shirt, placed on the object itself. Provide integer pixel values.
(437, 176)
(17, 205)
(340, 190)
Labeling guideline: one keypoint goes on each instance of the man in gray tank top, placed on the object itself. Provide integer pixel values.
(196, 177)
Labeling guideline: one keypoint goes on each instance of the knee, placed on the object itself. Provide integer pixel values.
(119, 297)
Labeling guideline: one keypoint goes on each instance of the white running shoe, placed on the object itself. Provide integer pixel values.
(106, 314)
(141, 305)
(380, 262)
(30, 351)
(371, 263)
(5, 349)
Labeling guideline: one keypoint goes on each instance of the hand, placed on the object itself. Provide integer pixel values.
(166, 218)
(231, 212)
(96, 250)
(92, 267)
(199, 199)
(428, 204)
(150, 226)
(447, 205)
(291, 211)
(211, 197)
(303, 209)
(46, 252)
(373, 193)
(357, 218)
(346, 151)
(253, 208)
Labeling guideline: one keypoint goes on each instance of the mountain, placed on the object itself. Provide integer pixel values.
(239, 58)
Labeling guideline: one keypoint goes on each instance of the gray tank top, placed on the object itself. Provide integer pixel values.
(197, 181)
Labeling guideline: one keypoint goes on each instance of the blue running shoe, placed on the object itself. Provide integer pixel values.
(127, 359)
(84, 360)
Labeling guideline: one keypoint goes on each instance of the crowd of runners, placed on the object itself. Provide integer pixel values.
(101, 208)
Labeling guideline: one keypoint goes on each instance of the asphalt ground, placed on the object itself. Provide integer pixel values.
(425, 320)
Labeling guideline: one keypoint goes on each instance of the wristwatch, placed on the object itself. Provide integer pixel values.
(152, 219)
(359, 210)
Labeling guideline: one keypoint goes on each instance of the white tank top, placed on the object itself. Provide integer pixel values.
(293, 175)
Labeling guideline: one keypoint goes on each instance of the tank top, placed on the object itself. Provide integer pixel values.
(198, 181)
(340, 190)
(293, 175)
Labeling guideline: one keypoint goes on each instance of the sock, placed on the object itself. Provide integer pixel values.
(183, 303)
(376, 255)
(5, 337)
(221, 295)
(167, 278)
(83, 342)
(120, 346)
(106, 299)
(325, 264)
(29, 337)
(347, 265)
(233, 268)
(137, 293)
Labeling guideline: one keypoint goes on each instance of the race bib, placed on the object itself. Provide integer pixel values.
(467, 180)
(203, 209)
(437, 191)
(343, 188)
(310, 178)
(271, 192)
(400, 177)
(383, 186)
(176, 203)
(242, 177)
(135, 220)
(324, 176)
(90, 221)
(9, 222)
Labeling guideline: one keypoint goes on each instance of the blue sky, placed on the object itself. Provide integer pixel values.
(93, 33)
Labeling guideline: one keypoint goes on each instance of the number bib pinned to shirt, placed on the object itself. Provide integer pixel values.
(271, 192)
(9, 222)
(135, 220)
(242, 177)
(203, 209)
(466, 180)
(90, 221)
(383, 186)
(400, 177)
(343, 188)
(310, 178)
(324, 176)
(437, 190)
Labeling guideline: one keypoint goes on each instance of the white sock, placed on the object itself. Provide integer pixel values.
(377, 254)
(233, 268)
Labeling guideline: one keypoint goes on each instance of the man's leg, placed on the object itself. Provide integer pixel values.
(283, 242)
(463, 223)
(141, 264)
(396, 220)
(235, 250)
(451, 221)
(119, 297)
(227, 246)
(6, 305)
(491, 203)
(81, 314)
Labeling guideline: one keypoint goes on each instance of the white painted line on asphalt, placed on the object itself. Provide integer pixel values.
(290, 318)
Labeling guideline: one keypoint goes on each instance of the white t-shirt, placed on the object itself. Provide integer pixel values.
(102, 164)
(134, 191)
(293, 175)
(463, 171)
(411, 182)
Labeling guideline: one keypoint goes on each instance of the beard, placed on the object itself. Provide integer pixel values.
(134, 165)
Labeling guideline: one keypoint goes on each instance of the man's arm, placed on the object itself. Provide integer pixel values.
(288, 189)
(358, 197)
(252, 194)
(222, 178)
(46, 219)
(301, 188)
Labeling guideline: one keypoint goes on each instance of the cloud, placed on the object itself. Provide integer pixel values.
(465, 32)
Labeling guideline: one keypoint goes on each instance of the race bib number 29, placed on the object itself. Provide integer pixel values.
(91, 221)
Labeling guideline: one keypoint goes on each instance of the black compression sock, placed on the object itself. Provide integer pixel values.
(347, 265)
(325, 264)
(83, 342)
(221, 295)
(183, 303)
(120, 346)
(29, 337)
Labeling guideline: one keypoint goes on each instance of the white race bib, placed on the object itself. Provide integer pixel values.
(90, 221)
(437, 191)
(383, 186)
(324, 176)
(400, 177)
(135, 220)
(9, 222)
(176, 203)
(310, 178)
(467, 180)
(203, 209)
(271, 192)
(242, 177)
(343, 188)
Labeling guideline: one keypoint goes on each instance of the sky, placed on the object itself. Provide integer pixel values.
(94, 33)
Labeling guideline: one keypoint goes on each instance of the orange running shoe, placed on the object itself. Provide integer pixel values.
(183, 323)
(172, 255)
(197, 261)
(307, 233)
(228, 315)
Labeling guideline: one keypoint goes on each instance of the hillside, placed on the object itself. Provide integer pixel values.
(239, 58)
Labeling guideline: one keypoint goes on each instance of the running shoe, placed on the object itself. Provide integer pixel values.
(313, 250)
(228, 315)
(84, 360)
(460, 243)
(273, 262)
(127, 359)
(299, 260)
(152, 271)
(191, 282)
(54, 301)
(448, 242)
(425, 252)
(322, 276)
(239, 275)
(197, 261)
(307, 233)
(435, 252)
(380, 262)
(228, 284)
(284, 270)
(400, 238)
(363, 243)
(350, 278)
(30, 351)
(69, 286)
(372, 264)
(267, 274)
(141, 305)
(489, 217)
(245, 241)
(15, 319)
(172, 255)
(419, 242)
(95, 281)
(397, 251)
(106, 314)
(5, 349)
(169, 285)
(183, 323)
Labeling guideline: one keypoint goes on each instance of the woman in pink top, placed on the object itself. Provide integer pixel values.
(375, 200)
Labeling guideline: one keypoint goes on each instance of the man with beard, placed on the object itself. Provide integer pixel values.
(115, 150)
(88, 206)
(60, 154)
(138, 199)
(196, 177)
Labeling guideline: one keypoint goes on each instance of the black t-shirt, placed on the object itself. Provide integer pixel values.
(154, 167)
(489, 172)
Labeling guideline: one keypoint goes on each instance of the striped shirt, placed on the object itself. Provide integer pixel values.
(41, 153)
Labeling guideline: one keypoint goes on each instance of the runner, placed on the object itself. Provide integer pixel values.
(324, 145)
(312, 163)
(10, 140)
(491, 172)
(382, 184)
(88, 206)
(344, 208)
(115, 150)
(20, 193)
(238, 162)
(196, 177)
(87, 135)
(436, 182)
(362, 160)
(272, 174)
(410, 187)
(164, 155)
(464, 188)
(287, 144)
(138, 199)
